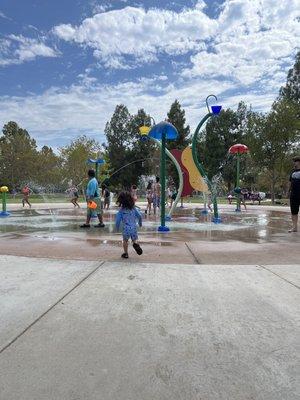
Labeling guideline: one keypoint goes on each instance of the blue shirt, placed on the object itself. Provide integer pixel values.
(128, 219)
(92, 189)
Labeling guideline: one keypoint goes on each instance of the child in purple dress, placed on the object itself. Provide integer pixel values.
(128, 215)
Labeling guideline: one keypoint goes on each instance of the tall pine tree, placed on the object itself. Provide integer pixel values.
(176, 116)
(291, 90)
(129, 157)
(118, 140)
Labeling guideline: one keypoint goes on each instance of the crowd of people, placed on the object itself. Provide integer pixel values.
(99, 199)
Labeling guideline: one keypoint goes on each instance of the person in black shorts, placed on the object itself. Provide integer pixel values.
(105, 196)
(295, 193)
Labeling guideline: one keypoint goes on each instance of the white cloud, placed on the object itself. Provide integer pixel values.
(18, 49)
(2, 15)
(99, 7)
(142, 34)
(254, 42)
(58, 114)
(246, 50)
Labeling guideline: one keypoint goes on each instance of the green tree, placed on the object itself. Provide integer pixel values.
(273, 141)
(291, 90)
(220, 133)
(176, 116)
(118, 141)
(141, 150)
(49, 167)
(74, 158)
(129, 157)
(18, 152)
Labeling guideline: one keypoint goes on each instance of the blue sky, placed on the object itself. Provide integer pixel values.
(65, 65)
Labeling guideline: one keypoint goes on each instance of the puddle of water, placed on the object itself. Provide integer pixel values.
(187, 224)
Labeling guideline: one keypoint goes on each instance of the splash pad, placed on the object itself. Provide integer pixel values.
(55, 232)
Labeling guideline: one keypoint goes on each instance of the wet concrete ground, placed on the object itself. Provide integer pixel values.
(208, 312)
(258, 235)
(80, 330)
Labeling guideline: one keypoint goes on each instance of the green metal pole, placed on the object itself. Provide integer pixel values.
(163, 181)
(200, 167)
(4, 201)
(180, 175)
(238, 199)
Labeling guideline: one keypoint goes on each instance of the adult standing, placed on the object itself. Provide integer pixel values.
(149, 197)
(295, 193)
(106, 197)
(93, 195)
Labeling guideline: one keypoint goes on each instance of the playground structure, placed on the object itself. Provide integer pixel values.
(163, 131)
(144, 131)
(215, 110)
(192, 175)
(4, 213)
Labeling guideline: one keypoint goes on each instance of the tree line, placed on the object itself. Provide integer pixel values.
(273, 138)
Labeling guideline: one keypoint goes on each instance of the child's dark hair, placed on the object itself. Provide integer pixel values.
(125, 200)
(149, 185)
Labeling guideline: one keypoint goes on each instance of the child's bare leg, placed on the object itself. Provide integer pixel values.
(125, 246)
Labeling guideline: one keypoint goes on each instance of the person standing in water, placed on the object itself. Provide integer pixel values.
(73, 194)
(294, 191)
(26, 193)
(105, 196)
(149, 197)
(156, 195)
(93, 195)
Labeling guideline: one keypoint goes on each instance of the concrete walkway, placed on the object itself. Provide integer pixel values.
(75, 330)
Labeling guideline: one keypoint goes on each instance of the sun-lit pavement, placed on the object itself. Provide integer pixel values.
(208, 312)
(104, 330)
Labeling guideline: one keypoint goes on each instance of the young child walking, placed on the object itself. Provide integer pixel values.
(128, 215)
